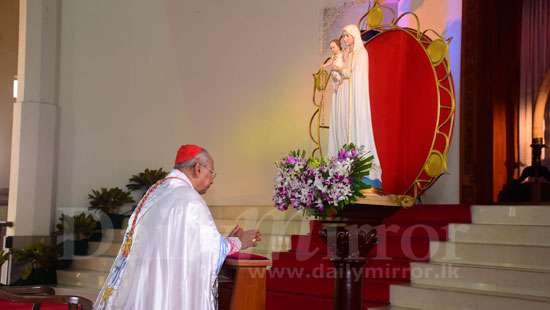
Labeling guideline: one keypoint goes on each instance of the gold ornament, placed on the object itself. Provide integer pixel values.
(437, 51)
(436, 164)
(375, 17)
(321, 78)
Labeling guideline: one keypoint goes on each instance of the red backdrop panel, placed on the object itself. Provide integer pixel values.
(404, 106)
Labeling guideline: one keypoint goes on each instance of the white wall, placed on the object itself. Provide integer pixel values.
(140, 77)
(9, 12)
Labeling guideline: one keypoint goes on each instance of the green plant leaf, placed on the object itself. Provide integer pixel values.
(145, 179)
(109, 200)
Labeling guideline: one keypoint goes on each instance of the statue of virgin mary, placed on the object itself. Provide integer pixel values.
(351, 115)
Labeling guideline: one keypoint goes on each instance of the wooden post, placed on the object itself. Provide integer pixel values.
(247, 284)
(349, 239)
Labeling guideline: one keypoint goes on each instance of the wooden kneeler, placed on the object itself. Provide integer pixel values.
(242, 282)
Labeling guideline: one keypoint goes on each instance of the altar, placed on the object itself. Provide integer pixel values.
(390, 92)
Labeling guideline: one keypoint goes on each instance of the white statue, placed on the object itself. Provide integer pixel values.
(351, 115)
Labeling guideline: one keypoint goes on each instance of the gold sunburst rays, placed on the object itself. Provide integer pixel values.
(436, 163)
(374, 17)
(418, 33)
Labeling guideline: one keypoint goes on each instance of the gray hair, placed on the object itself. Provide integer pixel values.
(200, 158)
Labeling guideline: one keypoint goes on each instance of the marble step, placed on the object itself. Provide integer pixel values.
(276, 228)
(68, 290)
(391, 308)
(483, 278)
(500, 234)
(257, 213)
(81, 278)
(269, 243)
(92, 263)
(436, 298)
(273, 243)
(266, 227)
(512, 215)
(103, 263)
(103, 248)
(534, 257)
(112, 235)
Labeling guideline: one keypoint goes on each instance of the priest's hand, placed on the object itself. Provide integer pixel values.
(249, 238)
(235, 232)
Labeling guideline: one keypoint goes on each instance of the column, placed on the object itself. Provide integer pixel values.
(33, 154)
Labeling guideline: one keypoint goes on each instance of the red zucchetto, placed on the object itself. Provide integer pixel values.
(187, 152)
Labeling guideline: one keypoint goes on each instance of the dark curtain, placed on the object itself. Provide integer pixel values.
(491, 44)
(535, 61)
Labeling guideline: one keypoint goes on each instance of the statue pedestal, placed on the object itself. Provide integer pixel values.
(349, 239)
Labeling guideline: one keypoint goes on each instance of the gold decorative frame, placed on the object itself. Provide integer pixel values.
(437, 51)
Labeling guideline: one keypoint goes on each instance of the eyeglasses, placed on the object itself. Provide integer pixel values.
(212, 172)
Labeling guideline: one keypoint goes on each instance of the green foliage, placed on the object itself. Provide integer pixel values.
(109, 200)
(82, 225)
(36, 256)
(360, 168)
(144, 180)
(316, 162)
(298, 153)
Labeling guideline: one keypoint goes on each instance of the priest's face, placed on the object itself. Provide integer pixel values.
(205, 175)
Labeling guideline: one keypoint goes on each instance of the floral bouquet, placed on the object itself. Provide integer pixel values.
(321, 187)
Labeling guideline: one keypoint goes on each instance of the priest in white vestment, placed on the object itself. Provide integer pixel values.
(351, 113)
(172, 251)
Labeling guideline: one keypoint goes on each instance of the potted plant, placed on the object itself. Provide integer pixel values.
(109, 201)
(64, 257)
(145, 179)
(38, 261)
(76, 231)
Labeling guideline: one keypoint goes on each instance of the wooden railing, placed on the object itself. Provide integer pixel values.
(37, 295)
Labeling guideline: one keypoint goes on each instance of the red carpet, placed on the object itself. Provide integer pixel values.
(303, 278)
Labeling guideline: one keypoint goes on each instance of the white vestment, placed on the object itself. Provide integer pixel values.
(351, 115)
(175, 255)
